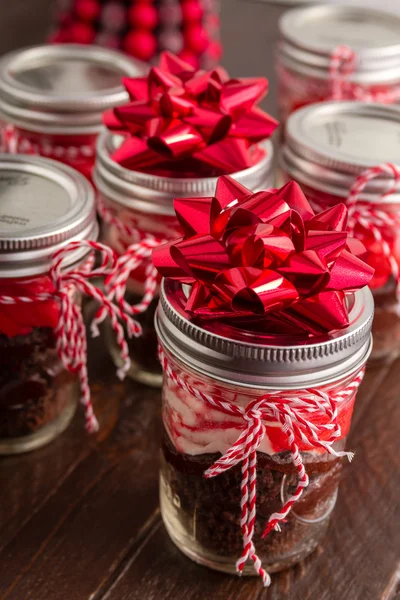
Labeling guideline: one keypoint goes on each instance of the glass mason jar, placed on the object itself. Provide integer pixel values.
(43, 206)
(144, 203)
(327, 147)
(203, 514)
(311, 67)
(52, 99)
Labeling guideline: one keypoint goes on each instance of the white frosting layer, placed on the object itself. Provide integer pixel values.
(196, 428)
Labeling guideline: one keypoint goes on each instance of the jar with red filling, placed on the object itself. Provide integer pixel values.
(43, 206)
(52, 99)
(337, 52)
(215, 376)
(329, 149)
(135, 205)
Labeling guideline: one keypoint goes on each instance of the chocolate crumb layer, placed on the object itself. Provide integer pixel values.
(34, 386)
(210, 508)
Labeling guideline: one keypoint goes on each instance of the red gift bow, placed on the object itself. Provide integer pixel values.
(178, 113)
(265, 258)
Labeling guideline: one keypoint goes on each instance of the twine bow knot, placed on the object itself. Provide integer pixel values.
(70, 330)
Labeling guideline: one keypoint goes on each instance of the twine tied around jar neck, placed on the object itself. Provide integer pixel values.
(70, 332)
(136, 255)
(299, 418)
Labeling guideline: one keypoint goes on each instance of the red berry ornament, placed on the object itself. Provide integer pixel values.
(143, 16)
(196, 39)
(141, 44)
(87, 10)
(191, 11)
(81, 33)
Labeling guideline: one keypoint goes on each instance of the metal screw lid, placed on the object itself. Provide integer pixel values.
(63, 88)
(154, 194)
(328, 144)
(43, 206)
(309, 35)
(238, 356)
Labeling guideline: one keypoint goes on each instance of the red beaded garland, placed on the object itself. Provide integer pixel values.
(196, 39)
(143, 16)
(191, 10)
(141, 44)
(88, 10)
(82, 33)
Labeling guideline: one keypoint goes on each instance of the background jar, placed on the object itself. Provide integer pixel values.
(144, 202)
(327, 146)
(52, 99)
(310, 36)
(43, 206)
(202, 516)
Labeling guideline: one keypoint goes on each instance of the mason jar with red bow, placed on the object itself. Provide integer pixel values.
(48, 233)
(181, 129)
(264, 327)
(52, 99)
(349, 152)
(337, 53)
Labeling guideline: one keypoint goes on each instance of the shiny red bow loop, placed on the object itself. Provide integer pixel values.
(177, 114)
(70, 331)
(265, 258)
(310, 417)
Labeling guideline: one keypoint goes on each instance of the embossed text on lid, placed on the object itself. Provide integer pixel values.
(329, 143)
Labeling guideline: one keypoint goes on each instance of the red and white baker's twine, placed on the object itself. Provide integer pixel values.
(70, 331)
(136, 255)
(370, 216)
(299, 418)
(373, 218)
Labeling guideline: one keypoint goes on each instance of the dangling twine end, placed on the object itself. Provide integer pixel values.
(239, 567)
(92, 425)
(134, 328)
(350, 456)
(122, 371)
(266, 579)
(94, 329)
(272, 525)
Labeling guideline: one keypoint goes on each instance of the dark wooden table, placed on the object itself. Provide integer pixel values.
(79, 519)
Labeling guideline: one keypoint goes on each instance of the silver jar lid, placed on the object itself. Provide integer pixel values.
(63, 88)
(43, 206)
(309, 35)
(328, 144)
(154, 194)
(285, 363)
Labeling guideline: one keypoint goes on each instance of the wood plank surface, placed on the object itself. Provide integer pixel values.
(79, 519)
